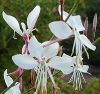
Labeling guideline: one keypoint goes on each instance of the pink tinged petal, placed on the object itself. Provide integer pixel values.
(32, 17)
(8, 79)
(51, 50)
(60, 63)
(12, 22)
(24, 61)
(84, 68)
(60, 29)
(23, 48)
(35, 48)
(85, 41)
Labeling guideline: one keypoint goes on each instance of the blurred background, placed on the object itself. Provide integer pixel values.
(49, 13)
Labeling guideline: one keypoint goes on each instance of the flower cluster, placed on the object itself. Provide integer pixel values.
(43, 57)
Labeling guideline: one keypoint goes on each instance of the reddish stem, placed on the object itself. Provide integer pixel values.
(62, 8)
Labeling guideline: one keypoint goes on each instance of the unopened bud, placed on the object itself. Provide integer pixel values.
(62, 2)
(86, 26)
(94, 23)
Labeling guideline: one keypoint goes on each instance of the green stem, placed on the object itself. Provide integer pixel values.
(73, 8)
(12, 84)
(28, 90)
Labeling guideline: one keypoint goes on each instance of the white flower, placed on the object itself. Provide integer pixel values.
(8, 80)
(44, 59)
(31, 20)
(42, 56)
(73, 26)
(78, 69)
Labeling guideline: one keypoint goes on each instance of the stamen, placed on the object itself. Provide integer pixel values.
(14, 36)
(86, 52)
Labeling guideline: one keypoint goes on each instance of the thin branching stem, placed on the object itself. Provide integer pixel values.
(73, 8)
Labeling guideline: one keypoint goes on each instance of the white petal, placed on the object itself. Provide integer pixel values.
(68, 70)
(10, 91)
(16, 89)
(71, 60)
(84, 68)
(87, 42)
(65, 14)
(51, 50)
(35, 48)
(32, 17)
(8, 79)
(24, 61)
(12, 22)
(62, 64)
(60, 29)
(75, 22)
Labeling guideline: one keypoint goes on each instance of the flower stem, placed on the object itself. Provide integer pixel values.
(73, 8)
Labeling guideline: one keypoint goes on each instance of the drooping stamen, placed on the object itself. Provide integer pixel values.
(14, 36)
(33, 74)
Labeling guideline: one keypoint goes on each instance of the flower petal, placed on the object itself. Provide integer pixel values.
(71, 60)
(10, 91)
(84, 68)
(7, 78)
(65, 14)
(87, 42)
(35, 48)
(16, 89)
(60, 29)
(24, 61)
(12, 22)
(32, 17)
(75, 22)
(60, 63)
(51, 50)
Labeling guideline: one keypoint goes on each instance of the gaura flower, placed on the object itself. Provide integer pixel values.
(41, 59)
(64, 30)
(76, 70)
(31, 20)
(8, 80)
(24, 32)
(73, 26)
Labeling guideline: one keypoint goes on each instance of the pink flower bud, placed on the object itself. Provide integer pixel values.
(94, 26)
(62, 2)
(86, 26)
(94, 23)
